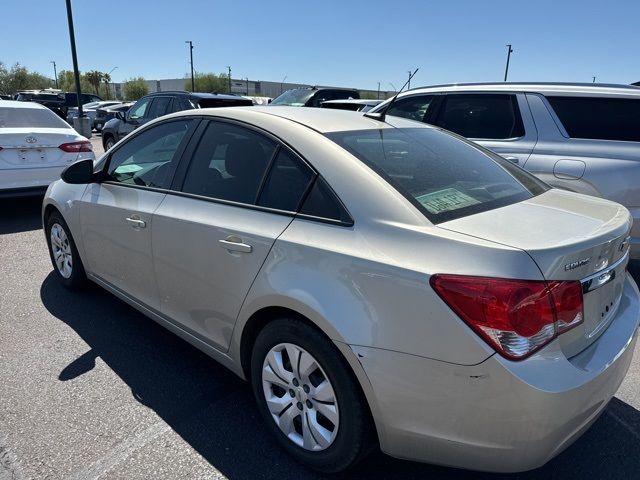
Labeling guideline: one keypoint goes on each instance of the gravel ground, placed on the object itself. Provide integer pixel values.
(91, 389)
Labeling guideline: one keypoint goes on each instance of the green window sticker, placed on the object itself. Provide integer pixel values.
(131, 168)
(444, 200)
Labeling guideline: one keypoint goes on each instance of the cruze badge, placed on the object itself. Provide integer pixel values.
(579, 263)
(31, 139)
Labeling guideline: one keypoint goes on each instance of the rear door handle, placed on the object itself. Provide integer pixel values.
(136, 222)
(233, 243)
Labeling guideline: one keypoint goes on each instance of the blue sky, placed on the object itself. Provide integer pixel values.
(347, 43)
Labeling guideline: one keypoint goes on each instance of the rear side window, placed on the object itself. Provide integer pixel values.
(490, 116)
(414, 107)
(322, 203)
(599, 118)
(443, 176)
(288, 181)
(229, 163)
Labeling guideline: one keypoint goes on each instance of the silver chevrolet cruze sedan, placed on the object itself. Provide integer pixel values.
(379, 282)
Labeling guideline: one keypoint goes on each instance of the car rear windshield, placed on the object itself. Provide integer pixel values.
(30, 118)
(599, 118)
(444, 176)
(294, 98)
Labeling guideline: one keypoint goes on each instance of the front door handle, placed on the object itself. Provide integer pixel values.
(136, 222)
(233, 243)
(513, 160)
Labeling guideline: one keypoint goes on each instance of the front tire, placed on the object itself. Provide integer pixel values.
(309, 398)
(109, 142)
(63, 252)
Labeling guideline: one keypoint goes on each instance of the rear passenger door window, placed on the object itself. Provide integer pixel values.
(229, 163)
(482, 116)
(415, 107)
(599, 118)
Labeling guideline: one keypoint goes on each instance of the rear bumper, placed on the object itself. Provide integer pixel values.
(29, 178)
(499, 415)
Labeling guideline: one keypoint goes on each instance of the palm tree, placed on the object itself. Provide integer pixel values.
(107, 80)
(94, 77)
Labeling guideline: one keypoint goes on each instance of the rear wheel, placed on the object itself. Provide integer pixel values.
(64, 255)
(309, 397)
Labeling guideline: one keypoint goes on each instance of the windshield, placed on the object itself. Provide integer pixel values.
(30, 118)
(444, 176)
(294, 98)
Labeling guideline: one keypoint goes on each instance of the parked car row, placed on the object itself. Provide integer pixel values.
(59, 102)
(375, 276)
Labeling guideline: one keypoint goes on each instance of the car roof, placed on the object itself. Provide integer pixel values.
(195, 94)
(595, 89)
(16, 104)
(322, 120)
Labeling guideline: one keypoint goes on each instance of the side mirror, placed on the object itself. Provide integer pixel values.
(79, 172)
(121, 116)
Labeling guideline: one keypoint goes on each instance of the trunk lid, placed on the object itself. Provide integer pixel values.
(36, 147)
(570, 237)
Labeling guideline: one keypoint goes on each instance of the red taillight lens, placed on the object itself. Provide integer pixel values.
(515, 317)
(567, 297)
(75, 147)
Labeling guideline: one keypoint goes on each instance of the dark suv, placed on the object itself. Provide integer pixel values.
(157, 104)
(314, 96)
(58, 102)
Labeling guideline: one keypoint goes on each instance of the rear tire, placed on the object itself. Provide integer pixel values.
(301, 391)
(63, 252)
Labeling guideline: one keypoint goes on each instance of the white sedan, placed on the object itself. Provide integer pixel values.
(35, 146)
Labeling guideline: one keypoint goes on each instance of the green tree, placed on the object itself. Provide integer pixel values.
(134, 88)
(107, 90)
(19, 78)
(207, 82)
(67, 83)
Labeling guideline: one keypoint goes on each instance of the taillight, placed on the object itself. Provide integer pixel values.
(75, 147)
(515, 317)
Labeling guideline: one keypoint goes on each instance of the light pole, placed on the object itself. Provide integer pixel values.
(409, 84)
(281, 83)
(594, 80)
(76, 72)
(55, 73)
(378, 90)
(229, 69)
(109, 77)
(506, 70)
(193, 82)
(247, 79)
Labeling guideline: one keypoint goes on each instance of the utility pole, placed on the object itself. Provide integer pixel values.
(55, 72)
(193, 81)
(378, 90)
(247, 79)
(76, 72)
(229, 68)
(509, 52)
(409, 84)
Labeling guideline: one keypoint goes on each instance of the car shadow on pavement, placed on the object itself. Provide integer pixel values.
(20, 214)
(213, 410)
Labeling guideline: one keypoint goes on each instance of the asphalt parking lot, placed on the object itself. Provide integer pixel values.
(92, 389)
